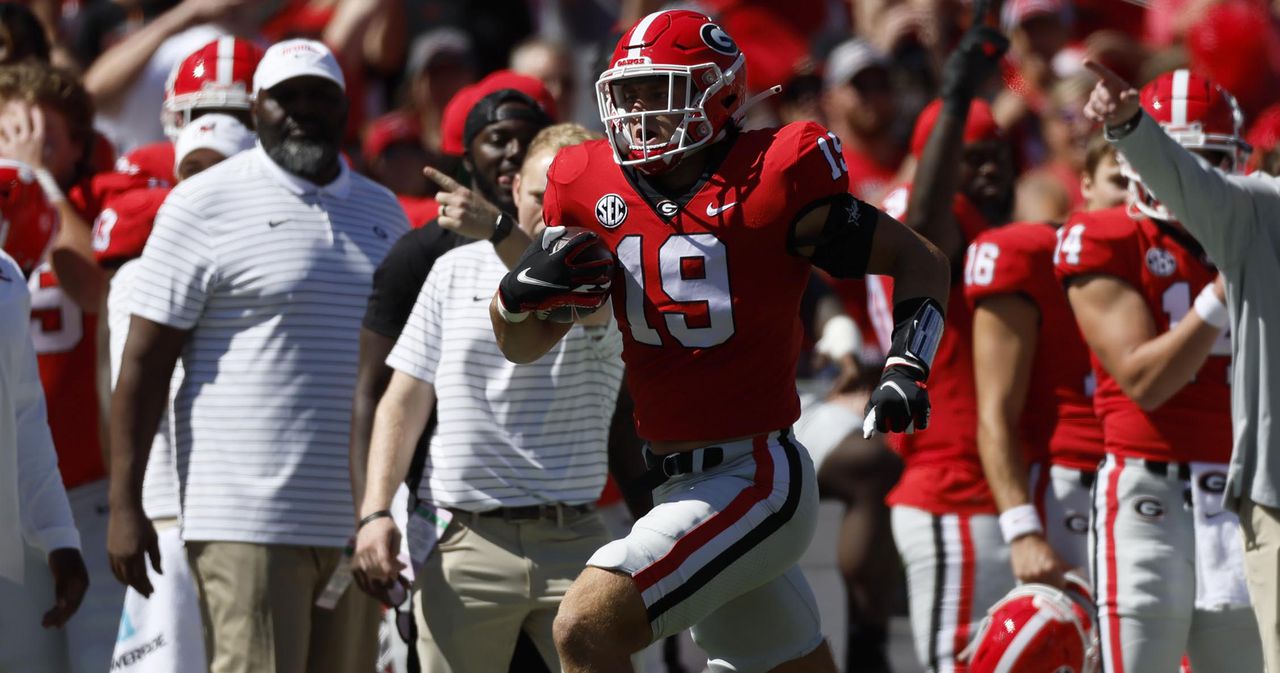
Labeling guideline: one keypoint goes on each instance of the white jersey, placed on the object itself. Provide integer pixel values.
(270, 274)
(507, 435)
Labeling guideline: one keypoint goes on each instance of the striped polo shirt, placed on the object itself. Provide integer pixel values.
(508, 435)
(270, 274)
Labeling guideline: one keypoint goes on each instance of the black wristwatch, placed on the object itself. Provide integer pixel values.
(1123, 129)
(502, 228)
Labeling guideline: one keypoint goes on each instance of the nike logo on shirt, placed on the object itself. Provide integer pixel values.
(712, 211)
(524, 277)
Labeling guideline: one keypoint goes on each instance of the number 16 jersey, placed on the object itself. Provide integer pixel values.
(707, 295)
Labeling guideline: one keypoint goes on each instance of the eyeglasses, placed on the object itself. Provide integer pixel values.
(397, 598)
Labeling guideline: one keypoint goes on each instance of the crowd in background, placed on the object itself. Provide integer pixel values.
(414, 70)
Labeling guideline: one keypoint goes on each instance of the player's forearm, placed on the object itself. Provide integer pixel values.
(72, 257)
(526, 341)
(921, 270)
(1001, 459)
(401, 417)
(935, 184)
(1156, 370)
(108, 79)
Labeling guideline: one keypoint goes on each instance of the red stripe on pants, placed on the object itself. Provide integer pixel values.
(1113, 594)
(967, 579)
(700, 535)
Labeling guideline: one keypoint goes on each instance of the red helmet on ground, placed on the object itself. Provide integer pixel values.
(706, 86)
(1199, 115)
(27, 221)
(218, 75)
(1037, 628)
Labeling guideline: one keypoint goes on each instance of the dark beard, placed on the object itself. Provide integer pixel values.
(305, 158)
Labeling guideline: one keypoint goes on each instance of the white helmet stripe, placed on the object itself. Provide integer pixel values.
(1178, 115)
(637, 33)
(226, 59)
(1021, 640)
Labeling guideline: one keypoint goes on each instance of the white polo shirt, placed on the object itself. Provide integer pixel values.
(270, 274)
(507, 435)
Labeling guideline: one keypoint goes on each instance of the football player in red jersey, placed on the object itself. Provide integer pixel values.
(715, 231)
(1038, 438)
(1167, 556)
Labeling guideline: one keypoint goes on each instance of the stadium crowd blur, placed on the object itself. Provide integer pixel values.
(414, 68)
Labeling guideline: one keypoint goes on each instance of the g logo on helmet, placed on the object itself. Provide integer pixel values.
(611, 211)
(718, 40)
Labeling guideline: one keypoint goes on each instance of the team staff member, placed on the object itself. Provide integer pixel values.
(1234, 218)
(36, 526)
(518, 459)
(1038, 438)
(1166, 557)
(256, 273)
(171, 614)
(715, 229)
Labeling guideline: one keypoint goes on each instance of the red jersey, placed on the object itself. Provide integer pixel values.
(122, 228)
(942, 471)
(707, 295)
(1057, 419)
(1168, 269)
(66, 350)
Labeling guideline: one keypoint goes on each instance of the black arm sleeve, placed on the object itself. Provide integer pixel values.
(400, 276)
(843, 247)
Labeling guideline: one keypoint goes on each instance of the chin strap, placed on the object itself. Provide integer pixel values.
(751, 102)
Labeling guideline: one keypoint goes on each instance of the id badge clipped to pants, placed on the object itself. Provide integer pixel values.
(427, 524)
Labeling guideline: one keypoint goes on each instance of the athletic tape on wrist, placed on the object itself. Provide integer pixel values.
(1210, 308)
(1018, 521)
(511, 316)
(50, 186)
(917, 337)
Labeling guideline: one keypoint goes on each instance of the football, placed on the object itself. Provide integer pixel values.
(595, 251)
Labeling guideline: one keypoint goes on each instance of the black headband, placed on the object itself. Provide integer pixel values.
(489, 110)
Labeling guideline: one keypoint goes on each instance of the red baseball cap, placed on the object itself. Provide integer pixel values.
(389, 129)
(980, 125)
(454, 119)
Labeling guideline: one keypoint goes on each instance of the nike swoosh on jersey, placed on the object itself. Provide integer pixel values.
(524, 277)
(712, 211)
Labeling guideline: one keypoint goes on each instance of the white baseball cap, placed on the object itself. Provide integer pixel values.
(296, 58)
(850, 58)
(221, 133)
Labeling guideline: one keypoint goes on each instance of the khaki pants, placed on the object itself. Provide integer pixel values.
(258, 606)
(1260, 527)
(491, 578)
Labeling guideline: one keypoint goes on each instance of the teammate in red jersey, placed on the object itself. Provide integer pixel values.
(1038, 438)
(715, 231)
(1167, 556)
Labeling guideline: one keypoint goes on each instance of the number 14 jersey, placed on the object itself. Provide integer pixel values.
(707, 295)
(1167, 268)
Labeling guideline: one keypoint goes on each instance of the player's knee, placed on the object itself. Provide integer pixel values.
(599, 614)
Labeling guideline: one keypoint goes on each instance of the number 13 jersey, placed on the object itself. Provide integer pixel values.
(707, 295)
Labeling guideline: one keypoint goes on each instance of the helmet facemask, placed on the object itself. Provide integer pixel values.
(689, 88)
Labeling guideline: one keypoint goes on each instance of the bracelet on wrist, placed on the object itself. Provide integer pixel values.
(380, 514)
(1122, 129)
(1016, 522)
(502, 228)
(1210, 308)
(511, 316)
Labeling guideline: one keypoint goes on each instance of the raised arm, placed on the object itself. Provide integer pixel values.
(1223, 212)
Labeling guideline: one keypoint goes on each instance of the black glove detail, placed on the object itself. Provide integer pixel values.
(900, 401)
(562, 267)
(973, 62)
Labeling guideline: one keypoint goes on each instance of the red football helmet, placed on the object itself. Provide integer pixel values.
(218, 75)
(1037, 628)
(27, 221)
(706, 86)
(1199, 115)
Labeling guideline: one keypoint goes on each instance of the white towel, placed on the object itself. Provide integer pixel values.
(823, 425)
(1220, 580)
